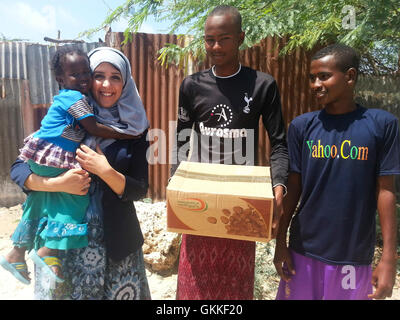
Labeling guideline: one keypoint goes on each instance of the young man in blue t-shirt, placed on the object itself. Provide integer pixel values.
(343, 159)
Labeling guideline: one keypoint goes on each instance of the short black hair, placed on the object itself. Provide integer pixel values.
(346, 57)
(225, 9)
(59, 58)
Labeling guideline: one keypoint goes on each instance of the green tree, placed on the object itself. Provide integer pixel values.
(372, 27)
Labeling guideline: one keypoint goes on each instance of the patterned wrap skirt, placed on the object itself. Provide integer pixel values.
(215, 269)
(89, 273)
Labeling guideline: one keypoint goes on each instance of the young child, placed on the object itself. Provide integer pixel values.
(343, 159)
(55, 221)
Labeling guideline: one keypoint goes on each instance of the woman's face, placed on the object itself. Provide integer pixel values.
(107, 85)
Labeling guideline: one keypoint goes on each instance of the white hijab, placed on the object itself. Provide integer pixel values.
(128, 115)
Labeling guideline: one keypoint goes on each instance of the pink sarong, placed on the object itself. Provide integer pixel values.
(215, 269)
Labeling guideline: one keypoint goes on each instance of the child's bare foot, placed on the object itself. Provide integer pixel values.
(17, 255)
(47, 252)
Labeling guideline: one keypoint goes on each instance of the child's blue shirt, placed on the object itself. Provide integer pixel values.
(60, 125)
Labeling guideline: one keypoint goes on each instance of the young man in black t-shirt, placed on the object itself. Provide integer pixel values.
(223, 106)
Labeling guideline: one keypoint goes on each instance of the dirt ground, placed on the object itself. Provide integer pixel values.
(162, 286)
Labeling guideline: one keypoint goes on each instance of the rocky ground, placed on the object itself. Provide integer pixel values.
(160, 254)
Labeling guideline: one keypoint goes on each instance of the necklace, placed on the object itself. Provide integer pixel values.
(232, 75)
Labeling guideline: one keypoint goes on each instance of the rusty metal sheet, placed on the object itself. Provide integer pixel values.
(159, 88)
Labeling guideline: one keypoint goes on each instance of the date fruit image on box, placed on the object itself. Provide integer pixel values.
(217, 200)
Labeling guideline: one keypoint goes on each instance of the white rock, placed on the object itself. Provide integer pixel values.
(161, 248)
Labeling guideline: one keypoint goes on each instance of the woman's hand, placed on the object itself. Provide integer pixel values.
(73, 181)
(97, 163)
(92, 161)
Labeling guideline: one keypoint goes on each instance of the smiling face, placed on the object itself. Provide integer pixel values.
(107, 85)
(332, 87)
(222, 41)
(76, 73)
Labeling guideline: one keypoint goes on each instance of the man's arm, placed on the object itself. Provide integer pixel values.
(282, 256)
(183, 128)
(273, 122)
(384, 275)
(279, 192)
(279, 158)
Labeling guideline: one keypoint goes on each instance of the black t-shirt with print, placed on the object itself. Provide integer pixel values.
(225, 113)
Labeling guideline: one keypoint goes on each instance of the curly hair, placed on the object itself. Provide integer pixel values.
(58, 59)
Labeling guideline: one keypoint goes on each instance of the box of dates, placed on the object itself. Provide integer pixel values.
(227, 201)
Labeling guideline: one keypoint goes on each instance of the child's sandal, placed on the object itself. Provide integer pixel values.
(46, 263)
(16, 269)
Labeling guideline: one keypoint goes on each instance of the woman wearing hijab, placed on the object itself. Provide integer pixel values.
(112, 265)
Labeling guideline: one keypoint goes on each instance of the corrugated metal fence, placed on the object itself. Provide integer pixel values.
(27, 87)
(159, 89)
(382, 92)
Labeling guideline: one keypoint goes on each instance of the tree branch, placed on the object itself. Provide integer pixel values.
(62, 41)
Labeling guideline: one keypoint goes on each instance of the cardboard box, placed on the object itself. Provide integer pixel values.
(227, 201)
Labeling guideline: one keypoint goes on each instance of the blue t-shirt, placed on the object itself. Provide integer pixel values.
(60, 125)
(339, 158)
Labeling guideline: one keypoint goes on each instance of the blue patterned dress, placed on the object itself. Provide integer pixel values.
(89, 274)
